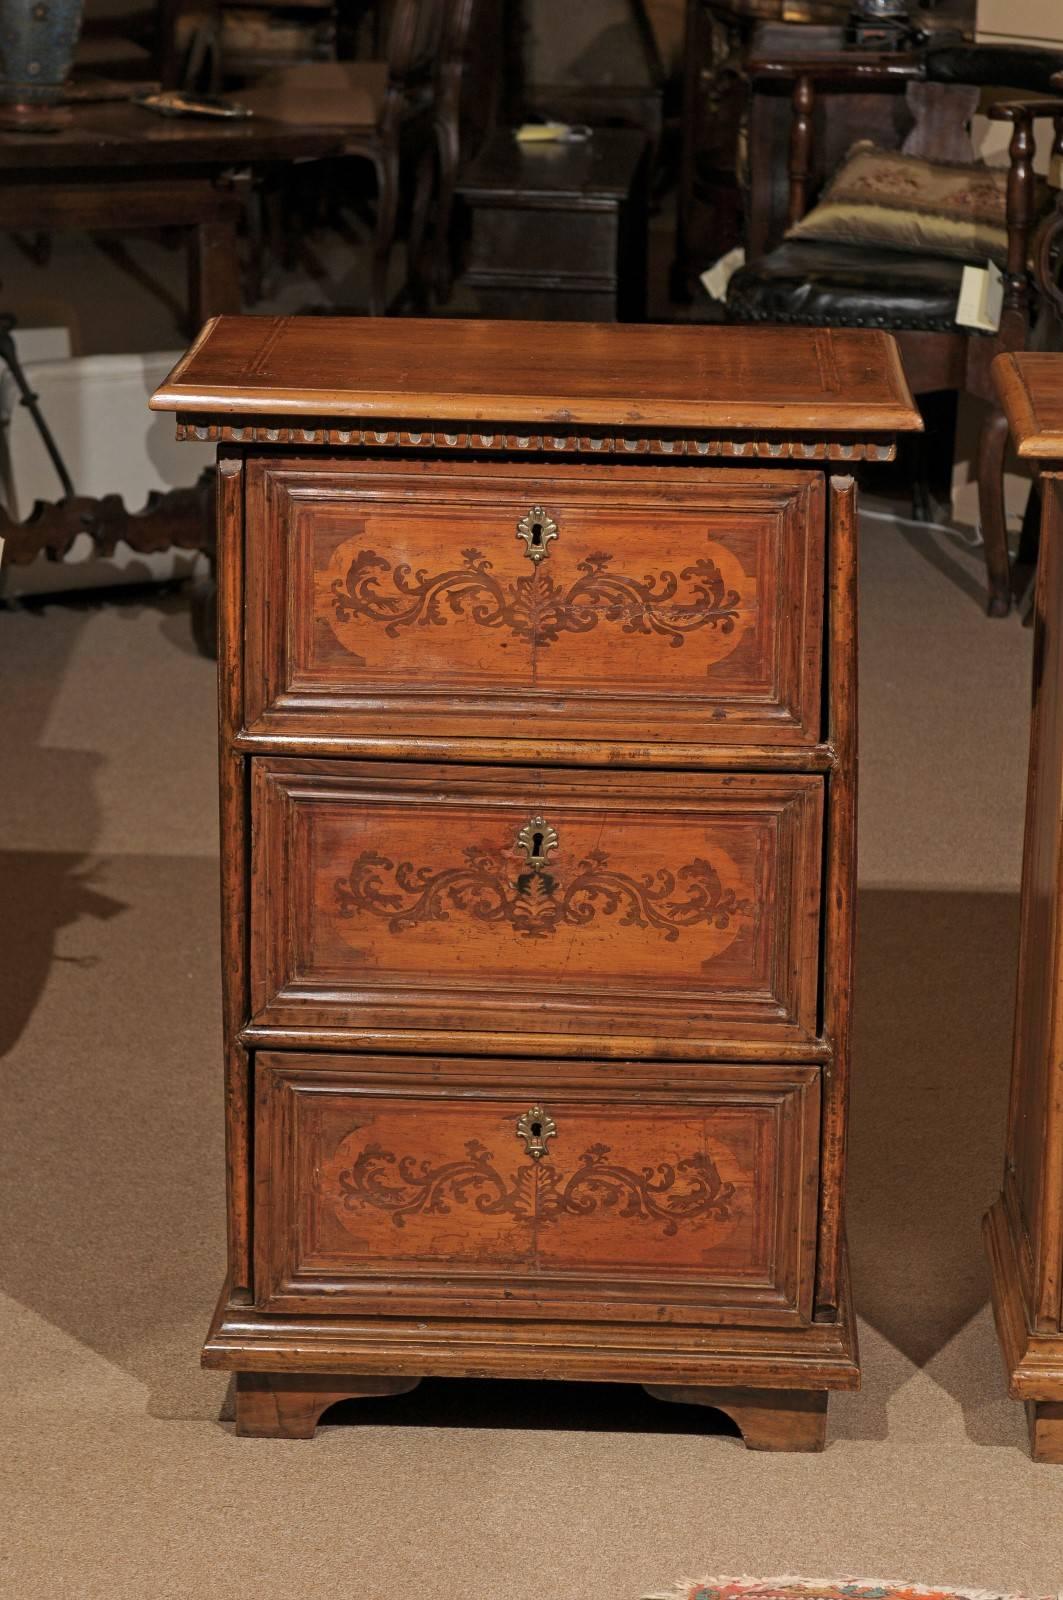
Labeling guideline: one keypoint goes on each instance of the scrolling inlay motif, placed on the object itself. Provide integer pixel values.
(535, 607)
(403, 1186)
(533, 903)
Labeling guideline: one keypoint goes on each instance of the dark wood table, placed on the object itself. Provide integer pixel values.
(118, 167)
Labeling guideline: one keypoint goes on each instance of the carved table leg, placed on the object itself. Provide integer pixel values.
(287, 1405)
(1045, 1420)
(769, 1419)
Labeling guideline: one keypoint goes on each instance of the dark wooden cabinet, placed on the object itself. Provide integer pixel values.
(537, 669)
(1024, 1230)
(558, 230)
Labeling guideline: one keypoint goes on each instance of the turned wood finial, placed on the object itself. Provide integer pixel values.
(1020, 210)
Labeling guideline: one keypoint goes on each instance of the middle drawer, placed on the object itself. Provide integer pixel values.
(630, 913)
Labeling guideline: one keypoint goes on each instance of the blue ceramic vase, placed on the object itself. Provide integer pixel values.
(37, 43)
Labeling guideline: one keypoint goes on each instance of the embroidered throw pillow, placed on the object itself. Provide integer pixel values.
(880, 197)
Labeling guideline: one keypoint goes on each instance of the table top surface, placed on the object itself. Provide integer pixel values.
(605, 165)
(1030, 385)
(606, 375)
(120, 134)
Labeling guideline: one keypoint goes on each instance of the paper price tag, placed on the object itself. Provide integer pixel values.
(714, 279)
(981, 298)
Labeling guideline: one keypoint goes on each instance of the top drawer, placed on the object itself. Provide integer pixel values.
(447, 599)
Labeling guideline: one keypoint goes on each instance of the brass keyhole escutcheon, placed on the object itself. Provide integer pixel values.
(536, 839)
(537, 527)
(535, 1126)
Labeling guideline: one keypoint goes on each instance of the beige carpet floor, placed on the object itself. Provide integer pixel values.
(122, 1482)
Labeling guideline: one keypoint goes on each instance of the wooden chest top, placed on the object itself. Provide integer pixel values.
(1030, 386)
(828, 381)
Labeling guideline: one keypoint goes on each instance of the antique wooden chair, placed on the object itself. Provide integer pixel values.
(387, 110)
(823, 282)
(1048, 255)
(467, 97)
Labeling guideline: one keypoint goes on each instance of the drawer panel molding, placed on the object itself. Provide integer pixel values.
(501, 900)
(426, 1174)
(408, 600)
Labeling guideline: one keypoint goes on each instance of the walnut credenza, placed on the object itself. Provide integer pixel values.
(538, 758)
(1024, 1230)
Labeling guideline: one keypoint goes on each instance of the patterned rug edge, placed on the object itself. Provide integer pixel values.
(738, 1588)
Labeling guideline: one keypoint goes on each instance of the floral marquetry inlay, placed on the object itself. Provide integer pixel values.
(690, 1191)
(539, 607)
(487, 886)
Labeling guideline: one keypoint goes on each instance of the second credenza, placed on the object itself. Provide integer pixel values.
(538, 755)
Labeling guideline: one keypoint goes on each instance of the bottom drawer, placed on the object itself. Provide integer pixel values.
(547, 1189)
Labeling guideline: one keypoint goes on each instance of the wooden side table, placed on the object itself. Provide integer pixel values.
(559, 231)
(1024, 1229)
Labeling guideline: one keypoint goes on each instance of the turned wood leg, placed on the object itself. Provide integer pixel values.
(768, 1419)
(1045, 1421)
(214, 270)
(992, 443)
(287, 1405)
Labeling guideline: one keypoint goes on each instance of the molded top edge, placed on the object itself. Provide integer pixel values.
(602, 375)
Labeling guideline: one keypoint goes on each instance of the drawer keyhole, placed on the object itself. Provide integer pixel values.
(537, 527)
(536, 1126)
(536, 840)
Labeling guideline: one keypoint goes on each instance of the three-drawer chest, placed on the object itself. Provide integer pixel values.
(537, 675)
